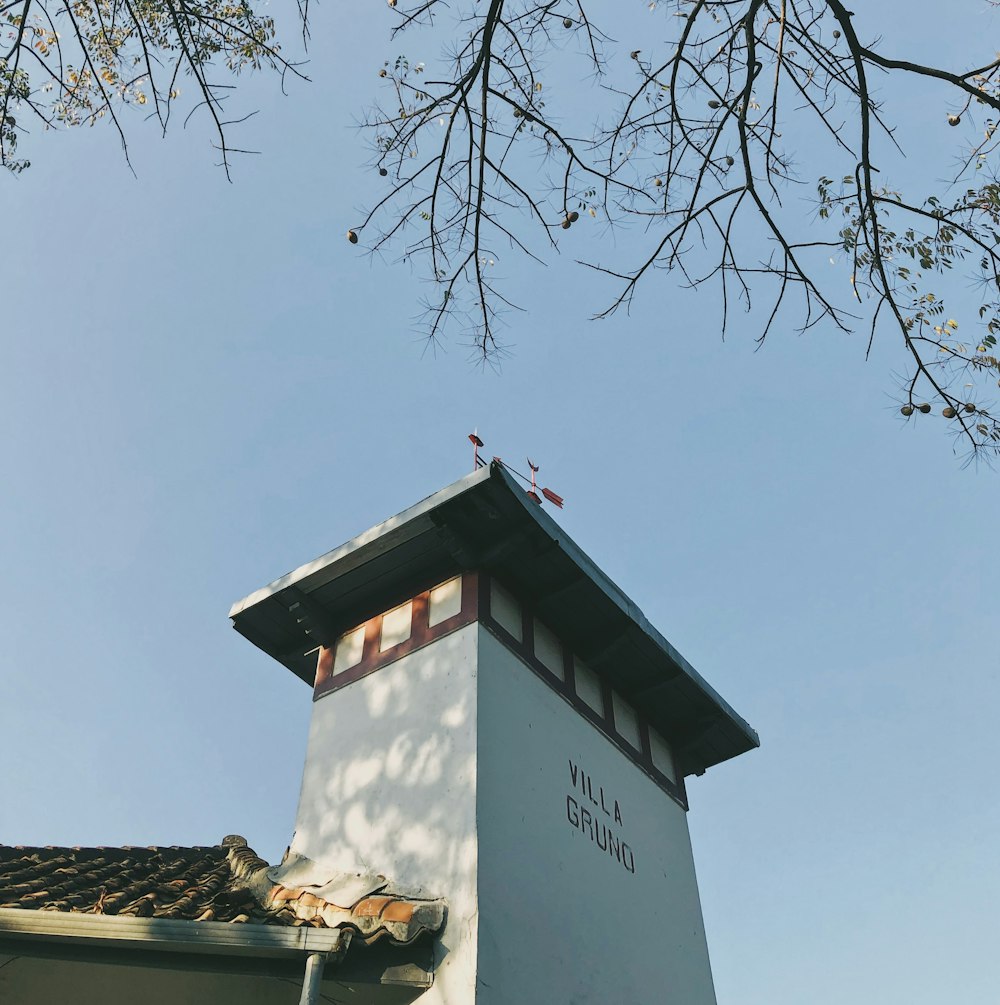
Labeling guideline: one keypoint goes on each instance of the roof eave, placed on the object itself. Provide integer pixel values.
(381, 537)
(487, 521)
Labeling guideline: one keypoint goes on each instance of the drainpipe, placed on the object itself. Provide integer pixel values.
(313, 975)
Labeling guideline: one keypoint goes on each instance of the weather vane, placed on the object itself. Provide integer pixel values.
(478, 462)
(476, 444)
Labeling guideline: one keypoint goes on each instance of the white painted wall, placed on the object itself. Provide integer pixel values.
(449, 771)
(390, 787)
(562, 922)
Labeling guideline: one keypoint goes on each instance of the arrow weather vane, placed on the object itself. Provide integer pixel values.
(478, 462)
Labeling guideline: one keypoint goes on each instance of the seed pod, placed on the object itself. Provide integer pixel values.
(382, 172)
(969, 407)
(907, 410)
(573, 217)
(566, 224)
(714, 104)
(352, 237)
(382, 72)
(836, 33)
(567, 23)
(953, 120)
(658, 182)
(948, 412)
(730, 161)
(925, 408)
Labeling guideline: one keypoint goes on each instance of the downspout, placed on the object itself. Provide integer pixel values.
(313, 975)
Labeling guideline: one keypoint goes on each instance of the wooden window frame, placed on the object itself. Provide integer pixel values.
(421, 634)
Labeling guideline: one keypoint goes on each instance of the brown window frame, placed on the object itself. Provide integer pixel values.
(566, 689)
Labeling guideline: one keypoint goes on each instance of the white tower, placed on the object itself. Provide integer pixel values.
(495, 723)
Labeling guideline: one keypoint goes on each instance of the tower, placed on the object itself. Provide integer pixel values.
(496, 724)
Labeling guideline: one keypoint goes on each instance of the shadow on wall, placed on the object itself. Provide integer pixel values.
(390, 774)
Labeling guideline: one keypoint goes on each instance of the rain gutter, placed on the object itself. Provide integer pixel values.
(216, 938)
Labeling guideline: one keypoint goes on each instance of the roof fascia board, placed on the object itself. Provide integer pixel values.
(391, 532)
(209, 937)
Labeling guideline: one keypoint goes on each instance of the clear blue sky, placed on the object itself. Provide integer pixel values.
(204, 385)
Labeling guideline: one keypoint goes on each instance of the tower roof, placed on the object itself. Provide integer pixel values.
(485, 521)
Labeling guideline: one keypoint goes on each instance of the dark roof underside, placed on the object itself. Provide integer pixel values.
(486, 522)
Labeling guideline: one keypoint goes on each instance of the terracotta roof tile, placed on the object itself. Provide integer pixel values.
(224, 882)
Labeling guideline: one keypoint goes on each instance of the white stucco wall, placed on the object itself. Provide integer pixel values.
(562, 921)
(456, 771)
(390, 787)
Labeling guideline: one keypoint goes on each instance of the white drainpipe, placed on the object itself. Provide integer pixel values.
(314, 974)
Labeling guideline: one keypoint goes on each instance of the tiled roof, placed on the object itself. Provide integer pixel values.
(227, 882)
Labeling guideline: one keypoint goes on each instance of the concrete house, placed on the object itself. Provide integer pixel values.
(493, 803)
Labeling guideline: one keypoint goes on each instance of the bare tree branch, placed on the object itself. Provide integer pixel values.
(701, 152)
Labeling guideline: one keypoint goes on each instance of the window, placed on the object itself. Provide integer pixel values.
(548, 651)
(396, 626)
(626, 722)
(663, 759)
(350, 649)
(505, 610)
(588, 687)
(444, 602)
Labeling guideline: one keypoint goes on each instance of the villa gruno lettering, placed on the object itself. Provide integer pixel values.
(591, 812)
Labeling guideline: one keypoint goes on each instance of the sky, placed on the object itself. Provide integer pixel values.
(203, 386)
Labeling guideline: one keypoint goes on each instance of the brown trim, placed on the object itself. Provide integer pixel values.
(569, 669)
(373, 635)
(421, 634)
(609, 705)
(485, 600)
(527, 629)
(422, 609)
(476, 605)
(567, 690)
